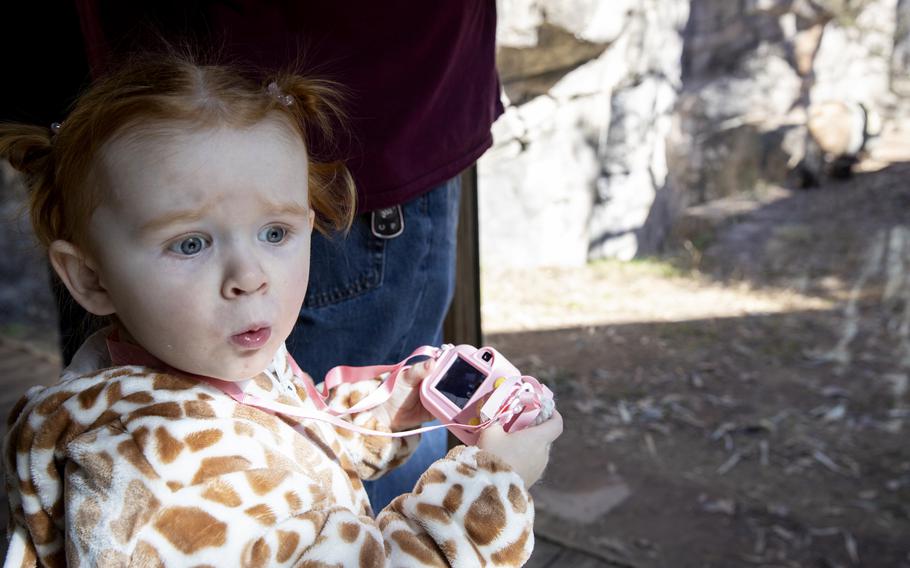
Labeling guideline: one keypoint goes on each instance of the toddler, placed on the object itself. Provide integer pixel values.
(178, 201)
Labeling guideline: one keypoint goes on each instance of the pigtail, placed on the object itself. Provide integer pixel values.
(27, 147)
(317, 107)
(29, 150)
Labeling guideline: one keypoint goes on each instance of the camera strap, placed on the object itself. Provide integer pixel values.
(533, 396)
(335, 377)
(521, 403)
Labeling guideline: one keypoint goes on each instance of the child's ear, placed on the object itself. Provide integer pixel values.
(79, 273)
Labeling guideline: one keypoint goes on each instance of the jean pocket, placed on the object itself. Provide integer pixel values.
(343, 267)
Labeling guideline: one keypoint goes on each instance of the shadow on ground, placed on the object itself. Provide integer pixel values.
(813, 242)
(725, 442)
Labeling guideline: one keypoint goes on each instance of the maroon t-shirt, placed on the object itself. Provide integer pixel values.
(421, 78)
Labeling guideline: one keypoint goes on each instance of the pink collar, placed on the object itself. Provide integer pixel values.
(123, 353)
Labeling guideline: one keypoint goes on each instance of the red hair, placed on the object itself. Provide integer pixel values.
(154, 92)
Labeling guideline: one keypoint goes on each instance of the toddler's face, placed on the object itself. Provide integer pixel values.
(205, 247)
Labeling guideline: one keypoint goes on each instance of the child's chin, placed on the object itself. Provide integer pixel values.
(251, 367)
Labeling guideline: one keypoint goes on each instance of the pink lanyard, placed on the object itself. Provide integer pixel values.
(123, 353)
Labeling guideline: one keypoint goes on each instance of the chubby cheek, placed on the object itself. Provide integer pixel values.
(291, 288)
(159, 306)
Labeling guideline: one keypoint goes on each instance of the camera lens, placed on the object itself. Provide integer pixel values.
(487, 356)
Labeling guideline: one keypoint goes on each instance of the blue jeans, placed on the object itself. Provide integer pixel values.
(373, 301)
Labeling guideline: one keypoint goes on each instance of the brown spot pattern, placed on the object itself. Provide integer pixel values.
(198, 409)
(99, 467)
(128, 450)
(169, 447)
(221, 492)
(256, 553)
(278, 461)
(89, 396)
(293, 500)
(48, 436)
(86, 519)
(106, 417)
(114, 390)
(262, 513)
(263, 381)
(17, 410)
(203, 439)
(349, 531)
(450, 549)
(139, 504)
(263, 481)
(169, 410)
(287, 544)
(146, 556)
(513, 554)
(171, 382)
(517, 499)
(139, 398)
(372, 554)
(432, 512)
(465, 470)
(50, 404)
(141, 436)
(243, 412)
(213, 467)
(242, 429)
(190, 529)
(25, 435)
(486, 517)
(421, 550)
(452, 500)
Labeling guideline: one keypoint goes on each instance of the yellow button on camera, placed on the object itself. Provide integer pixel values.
(474, 421)
(499, 382)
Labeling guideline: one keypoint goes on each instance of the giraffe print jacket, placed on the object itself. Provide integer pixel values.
(128, 466)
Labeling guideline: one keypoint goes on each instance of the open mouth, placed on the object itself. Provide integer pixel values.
(253, 338)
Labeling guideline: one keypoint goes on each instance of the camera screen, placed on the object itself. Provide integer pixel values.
(460, 382)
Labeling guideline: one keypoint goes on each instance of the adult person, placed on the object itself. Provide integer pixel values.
(422, 94)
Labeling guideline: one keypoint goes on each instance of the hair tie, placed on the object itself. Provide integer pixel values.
(276, 92)
(55, 127)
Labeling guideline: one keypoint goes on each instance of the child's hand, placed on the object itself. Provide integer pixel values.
(404, 410)
(527, 451)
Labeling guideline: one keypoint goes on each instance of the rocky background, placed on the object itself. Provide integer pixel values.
(623, 114)
(742, 398)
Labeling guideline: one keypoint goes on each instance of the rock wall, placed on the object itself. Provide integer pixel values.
(621, 113)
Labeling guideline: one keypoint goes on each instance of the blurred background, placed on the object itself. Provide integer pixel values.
(695, 227)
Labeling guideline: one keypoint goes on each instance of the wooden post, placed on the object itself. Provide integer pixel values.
(462, 324)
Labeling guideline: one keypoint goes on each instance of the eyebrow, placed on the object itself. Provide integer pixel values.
(171, 218)
(290, 208)
(190, 215)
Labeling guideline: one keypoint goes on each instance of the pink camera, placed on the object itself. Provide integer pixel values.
(475, 387)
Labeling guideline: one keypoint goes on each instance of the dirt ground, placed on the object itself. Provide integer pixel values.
(741, 401)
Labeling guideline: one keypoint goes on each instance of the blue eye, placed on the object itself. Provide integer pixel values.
(273, 234)
(189, 246)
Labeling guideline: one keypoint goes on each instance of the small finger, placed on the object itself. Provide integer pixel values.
(547, 431)
(554, 424)
(414, 374)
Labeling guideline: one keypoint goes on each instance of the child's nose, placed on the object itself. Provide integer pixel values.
(243, 279)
